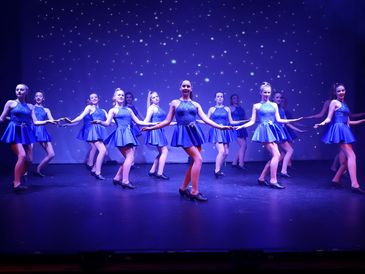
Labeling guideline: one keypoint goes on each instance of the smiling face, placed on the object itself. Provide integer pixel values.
(340, 92)
(185, 89)
(119, 97)
(93, 99)
(129, 99)
(265, 92)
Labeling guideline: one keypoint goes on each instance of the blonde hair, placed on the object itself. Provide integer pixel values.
(113, 98)
(264, 84)
(149, 97)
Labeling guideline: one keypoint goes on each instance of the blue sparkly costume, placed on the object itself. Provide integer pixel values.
(123, 135)
(220, 116)
(93, 132)
(288, 135)
(237, 115)
(267, 130)
(157, 137)
(41, 133)
(339, 131)
(20, 129)
(187, 132)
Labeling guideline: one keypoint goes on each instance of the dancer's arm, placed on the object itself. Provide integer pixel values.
(252, 120)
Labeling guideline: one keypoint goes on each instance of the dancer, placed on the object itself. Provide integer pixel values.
(268, 133)
(221, 115)
(41, 113)
(285, 144)
(189, 136)
(333, 95)
(20, 133)
(156, 137)
(93, 134)
(238, 113)
(122, 137)
(339, 132)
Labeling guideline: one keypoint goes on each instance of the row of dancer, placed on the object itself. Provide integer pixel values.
(185, 111)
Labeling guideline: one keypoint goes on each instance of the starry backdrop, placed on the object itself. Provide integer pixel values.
(73, 48)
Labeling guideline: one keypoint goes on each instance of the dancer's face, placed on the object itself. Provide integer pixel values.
(219, 98)
(39, 98)
(234, 100)
(155, 99)
(129, 99)
(266, 92)
(94, 99)
(278, 98)
(21, 91)
(186, 88)
(340, 93)
(119, 97)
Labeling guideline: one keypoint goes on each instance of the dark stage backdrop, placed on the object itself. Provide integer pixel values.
(72, 48)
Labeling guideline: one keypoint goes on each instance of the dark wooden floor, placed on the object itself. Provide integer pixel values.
(69, 212)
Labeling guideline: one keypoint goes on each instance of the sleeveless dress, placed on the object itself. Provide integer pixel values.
(237, 115)
(93, 132)
(135, 128)
(267, 130)
(220, 116)
(20, 129)
(187, 132)
(41, 133)
(285, 131)
(339, 131)
(157, 137)
(123, 135)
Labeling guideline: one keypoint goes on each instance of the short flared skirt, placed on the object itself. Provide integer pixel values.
(221, 136)
(92, 133)
(41, 134)
(287, 135)
(187, 136)
(121, 137)
(339, 133)
(156, 137)
(19, 134)
(268, 132)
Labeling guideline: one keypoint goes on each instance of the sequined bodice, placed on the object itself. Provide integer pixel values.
(21, 114)
(220, 116)
(185, 113)
(123, 118)
(40, 113)
(158, 116)
(341, 115)
(266, 113)
(98, 114)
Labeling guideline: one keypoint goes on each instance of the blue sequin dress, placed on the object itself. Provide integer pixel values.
(123, 135)
(237, 115)
(267, 130)
(20, 129)
(220, 116)
(339, 131)
(41, 133)
(93, 132)
(157, 137)
(187, 132)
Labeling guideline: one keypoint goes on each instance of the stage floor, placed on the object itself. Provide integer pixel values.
(69, 211)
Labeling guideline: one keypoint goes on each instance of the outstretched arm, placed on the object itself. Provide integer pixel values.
(231, 121)
(322, 112)
(252, 119)
(357, 122)
(331, 110)
(165, 122)
(295, 128)
(283, 121)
